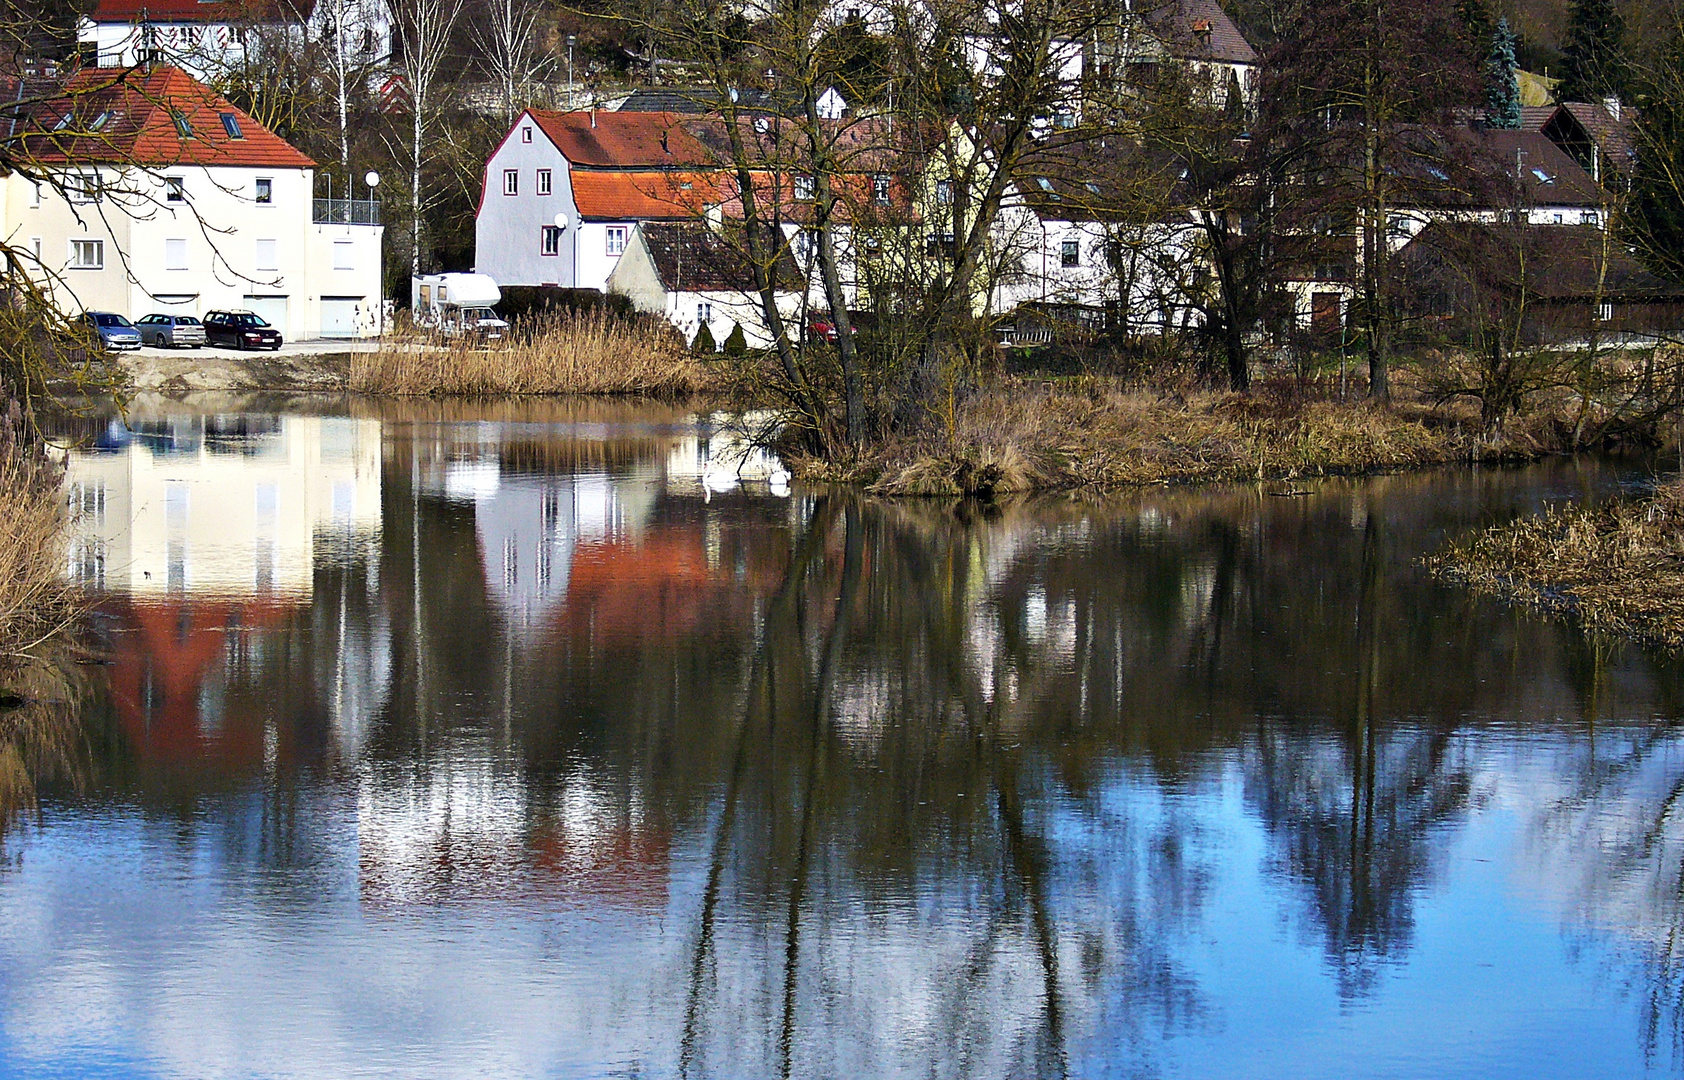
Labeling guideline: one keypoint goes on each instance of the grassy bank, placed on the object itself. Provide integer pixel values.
(1097, 433)
(35, 601)
(592, 354)
(1618, 567)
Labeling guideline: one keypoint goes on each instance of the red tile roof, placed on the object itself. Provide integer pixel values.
(232, 12)
(139, 126)
(643, 196)
(622, 140)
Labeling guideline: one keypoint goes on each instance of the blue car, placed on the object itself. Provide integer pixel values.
(115, 332)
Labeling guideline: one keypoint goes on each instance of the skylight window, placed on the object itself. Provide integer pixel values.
(1093, 189)
(64, 121)
(1543, 177)
(1437, 173)
(183, 126)
(231, 125)
(100, 121)
(1046, 185)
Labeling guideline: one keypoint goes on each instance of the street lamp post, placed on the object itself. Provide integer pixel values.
(572, 40)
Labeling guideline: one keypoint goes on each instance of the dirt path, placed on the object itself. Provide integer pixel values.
(172, 372)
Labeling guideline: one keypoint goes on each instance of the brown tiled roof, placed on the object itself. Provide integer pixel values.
(1615, 138)
(691, 258)
(1534, 117)
(1200, 30)
(622, 140)
(643, 196)
(139, 127)
(232, 12)
(1527, 154)
(1563, 262)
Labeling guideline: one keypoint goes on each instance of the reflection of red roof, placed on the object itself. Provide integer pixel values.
(642, 196)
(232, 12)
(160, 665)
(621, 140)
(139, 126)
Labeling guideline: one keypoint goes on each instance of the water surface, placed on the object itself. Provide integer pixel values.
(560, 741)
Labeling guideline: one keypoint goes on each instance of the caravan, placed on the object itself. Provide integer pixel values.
(457, 304)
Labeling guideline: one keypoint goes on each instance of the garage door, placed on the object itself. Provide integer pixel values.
(273, 309)
(342, 316)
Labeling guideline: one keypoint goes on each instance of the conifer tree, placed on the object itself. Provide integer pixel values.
(1595, 52)
(1502, 89)
(704, 343)
(1655, 215)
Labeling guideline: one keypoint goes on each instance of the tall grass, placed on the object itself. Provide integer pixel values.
(35, 600)
(1618, 567)
(586, 354)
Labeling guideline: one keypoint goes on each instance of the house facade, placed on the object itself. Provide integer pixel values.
(563, 193)
(693, 277)
(171, 200)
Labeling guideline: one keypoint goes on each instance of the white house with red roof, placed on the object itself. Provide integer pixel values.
(152, 193)
(208, 38)
(563, 192)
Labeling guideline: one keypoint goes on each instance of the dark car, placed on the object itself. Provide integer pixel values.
(240, 330)
(168, 331)
(114, 331)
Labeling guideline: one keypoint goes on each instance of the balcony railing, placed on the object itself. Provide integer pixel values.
(346, 212)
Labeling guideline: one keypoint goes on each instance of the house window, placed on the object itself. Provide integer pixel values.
(550, 243)
(944, 193)
(265, 190)
(543, 181)
(1590, 217)
(175, 189)
(880, 189)
(804, 188)
(34, 194)
(183, 126)
(942, 246)
(175, 254)
(511, 182)
(616, 239)
(231, 125)
(704, 312)
(268, 257)
(1605, 311)
(344, 254)
(1070, 253)
(82, 187)
(526, 134)
(87, 254)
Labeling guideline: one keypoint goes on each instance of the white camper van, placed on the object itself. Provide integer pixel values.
(457, 304)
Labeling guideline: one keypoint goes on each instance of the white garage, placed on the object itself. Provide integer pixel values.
(273, 310)
(343, 316)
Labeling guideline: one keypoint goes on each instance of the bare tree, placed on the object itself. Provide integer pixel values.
(507, 39)
(425, 28)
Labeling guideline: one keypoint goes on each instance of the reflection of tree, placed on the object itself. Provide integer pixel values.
(44, 739)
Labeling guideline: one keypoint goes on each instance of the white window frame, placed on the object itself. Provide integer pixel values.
(511, 181)
(614, 239)
(175, 254)
(175, 189)
(259, 195)
(881, 188)
(82, 187)
(546, 181)
(273, 248)
(549, 240)
(34, 194)
(1069, 253)
(344, 254)
(806, 188)
(93, 246)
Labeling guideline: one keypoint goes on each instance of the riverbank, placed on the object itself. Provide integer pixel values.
(1619, 568)
(35, 600)
(1106, 434)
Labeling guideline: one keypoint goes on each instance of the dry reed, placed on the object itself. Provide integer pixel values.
(1096, 435)
(35, 600)
(587, 354)
(1618, 567)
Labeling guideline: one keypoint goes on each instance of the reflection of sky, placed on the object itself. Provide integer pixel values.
(121, 947)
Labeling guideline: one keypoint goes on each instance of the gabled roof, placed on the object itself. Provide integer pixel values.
(1200, 30)
(1615, 137)
(1563, 262)
(231, 12)
(621, 140)
(1547, 176)
(692, 258)
(132, 116)
(1534, 117)
(643, 196)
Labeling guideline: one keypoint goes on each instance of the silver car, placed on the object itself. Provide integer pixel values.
(115, 332)
(171, 331)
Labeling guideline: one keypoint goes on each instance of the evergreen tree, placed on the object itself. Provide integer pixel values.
(1594, 52)
(1655, 217)
(704, 343)
(1502, 90)
(736, 342)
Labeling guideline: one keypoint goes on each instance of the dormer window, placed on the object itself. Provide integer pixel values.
(183, 126)
(231, 125)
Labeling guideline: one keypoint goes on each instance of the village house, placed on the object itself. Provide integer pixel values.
(694, 278)
(564, 191)
(210, 38)
(158, 195)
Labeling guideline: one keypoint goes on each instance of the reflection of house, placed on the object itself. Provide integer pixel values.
(222, 505)
(467, 833)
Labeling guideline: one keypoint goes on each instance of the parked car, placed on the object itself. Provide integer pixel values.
(240, 330)
(169, 331)
(115, 332)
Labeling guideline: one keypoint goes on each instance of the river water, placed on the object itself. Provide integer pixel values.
(565, 741)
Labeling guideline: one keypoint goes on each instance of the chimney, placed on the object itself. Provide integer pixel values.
(593, 114)
(1612, 104)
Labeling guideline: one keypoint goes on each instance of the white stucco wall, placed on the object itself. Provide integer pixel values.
(508, 231)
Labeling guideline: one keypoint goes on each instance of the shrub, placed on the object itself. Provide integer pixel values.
(736, 342)
(704, 345)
